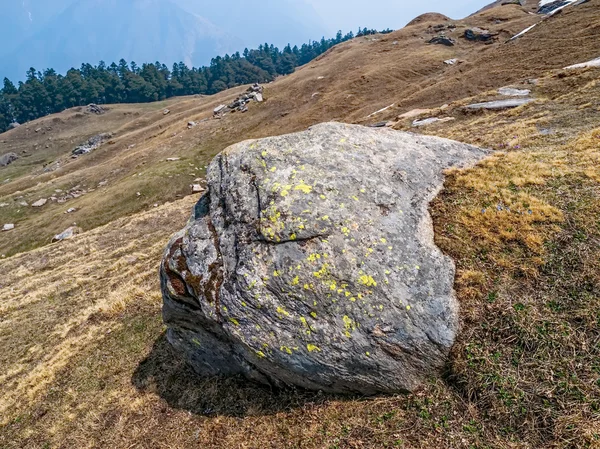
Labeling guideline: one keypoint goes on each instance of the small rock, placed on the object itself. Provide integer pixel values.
(14, 125)
(3, 204)
(166, 112)
(478, 35)
(7, 159)
(190, 125)
(197, 188)
(258, 97)
(512, 92)
(219, 109)
(39, 203)
(23, 204)
(8, 227)
(452, 61)
(67, 234)
(38, 130)
(71, 210)
(173, 159)
(442, 40)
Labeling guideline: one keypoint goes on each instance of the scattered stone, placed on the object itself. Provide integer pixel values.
(378, 125)
(452, 61)
(583, 65)
(512, 92)
(478, 35)
(315, 94)
(173, 159)
(281, 284)
(102, 183)
(442, 40)
(67, 234)
(92, 144)
(8, 227)
(190, 125)
(259, 98)
(38, 130)
(14, 125)
(500, 104)
(166, 112)
(7, 159)
(95, 109)
(512, 2)
(39, 203)
(219, 109)
(71, 210)
(197, 188)
(3, 204)
(431, 120)
(23, 204)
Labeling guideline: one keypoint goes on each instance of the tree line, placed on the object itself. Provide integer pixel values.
(48, 92)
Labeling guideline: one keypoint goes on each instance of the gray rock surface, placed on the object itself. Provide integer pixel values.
(92, 144)
(8, 227)
(310, 261)
(512, 92)
(7, 159)
(442, 40)
(67, 234)
(500, 104)
(39, 203)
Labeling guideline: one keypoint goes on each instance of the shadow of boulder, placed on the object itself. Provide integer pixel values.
(165, 373)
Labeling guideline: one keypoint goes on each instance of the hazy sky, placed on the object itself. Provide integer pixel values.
(348, 15)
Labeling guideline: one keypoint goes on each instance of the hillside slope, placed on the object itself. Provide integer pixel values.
(349, 83)
(85, 362)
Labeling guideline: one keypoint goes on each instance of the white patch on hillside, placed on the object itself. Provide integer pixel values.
(518, 35)
(583, 65)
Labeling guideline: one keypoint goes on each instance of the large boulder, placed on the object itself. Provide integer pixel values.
(310, 261)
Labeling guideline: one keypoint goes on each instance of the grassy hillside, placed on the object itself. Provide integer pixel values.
(85, 363)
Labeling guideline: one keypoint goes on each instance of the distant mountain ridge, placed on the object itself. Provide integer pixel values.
(69, 32)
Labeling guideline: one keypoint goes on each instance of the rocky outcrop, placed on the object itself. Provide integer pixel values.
(310, 261)
(476, 34)
(95, 109)
(253, 93)
(442, 40)
(92, 144)
(499, 104)
(7, 159)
